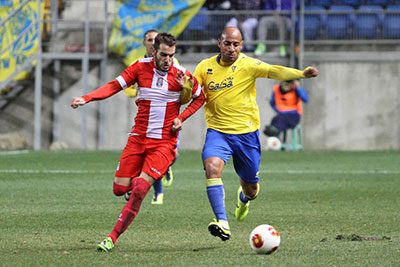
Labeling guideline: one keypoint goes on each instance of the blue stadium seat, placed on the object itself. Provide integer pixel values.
(217, 24)
(324, 3)
(391, 22)
(353, 3)
(314, 22)
(195, 30)
(199, 21)
(378, 2)
(339, 22)
(368, 25)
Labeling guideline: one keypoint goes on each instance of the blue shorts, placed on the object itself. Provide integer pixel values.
(245, 150)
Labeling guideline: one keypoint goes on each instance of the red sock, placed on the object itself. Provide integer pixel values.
(120, 189)
(140, 187)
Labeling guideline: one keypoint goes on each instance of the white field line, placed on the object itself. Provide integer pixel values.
(13, 152)
(202, 171)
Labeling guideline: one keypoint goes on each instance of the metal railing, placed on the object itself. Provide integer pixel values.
(213, 22)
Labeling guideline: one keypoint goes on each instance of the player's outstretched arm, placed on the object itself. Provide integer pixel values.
(282, 73)
(77, 101)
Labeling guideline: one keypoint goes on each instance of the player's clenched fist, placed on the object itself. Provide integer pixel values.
(310, 72)
(77, 101)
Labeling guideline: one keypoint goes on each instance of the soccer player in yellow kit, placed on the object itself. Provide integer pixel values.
(233, 122)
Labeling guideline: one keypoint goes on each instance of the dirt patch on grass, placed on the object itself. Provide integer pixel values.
(355, 237)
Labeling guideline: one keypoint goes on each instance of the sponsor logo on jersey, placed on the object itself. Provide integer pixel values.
(227, 83)
(160, 82)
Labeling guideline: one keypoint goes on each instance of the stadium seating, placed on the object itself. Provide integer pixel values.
(324, 3)
(339, 22)
(382, 3)
(196, 30)
(353, 3)
(217, 24)
(391, 23)
(314, 22)
(368, 25)
(199, 22)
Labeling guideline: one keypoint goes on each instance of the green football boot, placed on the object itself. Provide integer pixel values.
(106, 245)
(157, 199)
(242, 209)
(169, 177)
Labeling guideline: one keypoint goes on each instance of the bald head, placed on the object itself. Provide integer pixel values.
(231, 32)
(230, 44)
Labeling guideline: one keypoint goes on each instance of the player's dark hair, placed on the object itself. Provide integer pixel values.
(152, 30)
(164, 38)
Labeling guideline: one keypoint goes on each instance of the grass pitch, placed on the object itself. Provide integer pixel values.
(330, 208)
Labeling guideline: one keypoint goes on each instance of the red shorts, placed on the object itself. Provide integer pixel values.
(152, 156)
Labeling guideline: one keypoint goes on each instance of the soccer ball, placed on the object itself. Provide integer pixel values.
(264, 239)
(273, 143)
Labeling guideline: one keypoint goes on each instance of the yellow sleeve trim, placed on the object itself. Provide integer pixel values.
(213, 181)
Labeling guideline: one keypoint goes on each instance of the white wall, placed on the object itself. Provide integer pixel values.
(353, 106)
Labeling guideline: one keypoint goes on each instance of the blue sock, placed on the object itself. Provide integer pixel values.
(157, 186)
(216, 196)
(243, 198)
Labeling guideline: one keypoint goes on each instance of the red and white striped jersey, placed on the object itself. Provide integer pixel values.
(157, 98)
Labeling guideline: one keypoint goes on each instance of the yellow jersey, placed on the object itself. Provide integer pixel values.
(230, 91)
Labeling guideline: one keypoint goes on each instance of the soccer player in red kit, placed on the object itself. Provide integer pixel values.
(150, 149)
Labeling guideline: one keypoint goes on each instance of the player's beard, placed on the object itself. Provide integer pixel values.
(160, 65)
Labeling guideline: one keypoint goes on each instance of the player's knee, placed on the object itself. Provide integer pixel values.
(213, 167)
(140, 187)
(251, 191)
(211, 170)
(119, 189)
